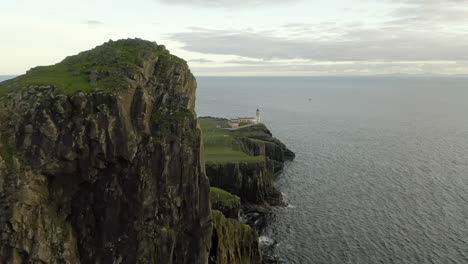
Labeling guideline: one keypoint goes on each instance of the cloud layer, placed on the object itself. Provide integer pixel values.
(225, 3)
(94, 22)
(380, 44)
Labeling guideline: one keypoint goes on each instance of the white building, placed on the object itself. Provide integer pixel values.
(235, 123)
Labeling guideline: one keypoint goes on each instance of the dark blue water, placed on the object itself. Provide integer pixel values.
(381, 174)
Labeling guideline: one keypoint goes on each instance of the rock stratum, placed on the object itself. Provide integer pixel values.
(102, 161)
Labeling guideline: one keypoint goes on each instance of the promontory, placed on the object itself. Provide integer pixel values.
(102, 161)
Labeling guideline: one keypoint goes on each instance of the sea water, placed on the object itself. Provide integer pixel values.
(381, 173)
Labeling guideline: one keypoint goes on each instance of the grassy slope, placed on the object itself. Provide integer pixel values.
(220, 145)
(221, 195)
(112, 62)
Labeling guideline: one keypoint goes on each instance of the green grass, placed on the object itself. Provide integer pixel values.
(111, 63)
(226, 155)
(220, 144)
(55, 75)
(224, 201)
(207, 124)
(260, 141)
(221, 195)
(255, 130)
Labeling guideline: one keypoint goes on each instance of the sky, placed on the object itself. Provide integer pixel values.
(249, 37)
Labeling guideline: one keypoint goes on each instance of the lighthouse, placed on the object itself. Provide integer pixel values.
(258, 116)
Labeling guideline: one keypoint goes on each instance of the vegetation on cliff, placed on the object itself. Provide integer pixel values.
(243, 161)
(100, 161)
(225, 202)
(104, 68)
(220, 145)
(233, 242)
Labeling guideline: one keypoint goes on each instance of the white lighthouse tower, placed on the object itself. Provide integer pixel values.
(258, 116)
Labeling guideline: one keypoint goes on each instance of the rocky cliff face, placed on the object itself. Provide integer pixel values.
(233, 242)
(250, 179)
(241, 165)
(100, 161)
(260, 142)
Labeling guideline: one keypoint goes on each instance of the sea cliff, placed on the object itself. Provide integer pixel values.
(102, 161)
(244, 160)
(241, 164)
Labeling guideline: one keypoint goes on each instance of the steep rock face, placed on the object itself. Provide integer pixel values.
(225, 202)
(251, 181)
(260, 142)
(103, 165)
(244, 161)
(233, 242)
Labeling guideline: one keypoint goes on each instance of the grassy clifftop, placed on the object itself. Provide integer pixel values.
(103, 68)
(222, 145)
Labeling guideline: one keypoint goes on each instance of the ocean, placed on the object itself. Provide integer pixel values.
(381, 173)
(6, 77)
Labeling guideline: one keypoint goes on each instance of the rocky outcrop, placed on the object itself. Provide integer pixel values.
(101, 163)
(243, 162)
(225, 202)
(233, 242)
(251, 181)
(260, 142)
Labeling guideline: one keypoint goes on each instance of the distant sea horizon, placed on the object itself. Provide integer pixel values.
(380, 174)
(6, 77)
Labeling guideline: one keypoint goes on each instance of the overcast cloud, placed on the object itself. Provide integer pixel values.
(200, 60)
(381, 44)
(226, 3)
(252, 36)
(94, 22)
(416, 36)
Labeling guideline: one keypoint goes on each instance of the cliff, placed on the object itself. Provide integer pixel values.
(233, 242)
(244, 161)
(258, 141)
(225, 202)
(101, 161)
(252, 181)
(241, 162)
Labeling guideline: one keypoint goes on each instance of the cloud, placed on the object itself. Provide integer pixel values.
(200, 60)
(247, 62)
(430, 12)
(357, 68)
(359, 44)
(226, 3)
(94, 22)
(432, 2)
